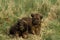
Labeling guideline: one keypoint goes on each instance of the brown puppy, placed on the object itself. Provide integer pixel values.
(26, 25)
(36, 23)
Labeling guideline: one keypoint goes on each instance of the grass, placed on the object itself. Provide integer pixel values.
(11, 10)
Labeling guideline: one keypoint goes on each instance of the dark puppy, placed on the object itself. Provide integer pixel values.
(26, 25)
(36, 23)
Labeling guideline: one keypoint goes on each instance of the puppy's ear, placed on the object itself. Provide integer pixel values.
(32, 15)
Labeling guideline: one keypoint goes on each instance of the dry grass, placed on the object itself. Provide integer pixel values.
(11, 10)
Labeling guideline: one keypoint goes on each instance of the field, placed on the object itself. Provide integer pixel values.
(11, 10)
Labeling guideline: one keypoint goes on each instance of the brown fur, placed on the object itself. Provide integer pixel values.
(27, 25)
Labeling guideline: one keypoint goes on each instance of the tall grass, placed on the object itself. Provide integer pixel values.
(11, 10)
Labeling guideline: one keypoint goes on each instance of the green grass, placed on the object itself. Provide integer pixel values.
(52, 31)
(14, 9)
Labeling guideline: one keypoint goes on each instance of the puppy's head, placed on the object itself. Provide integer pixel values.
(36, 18)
